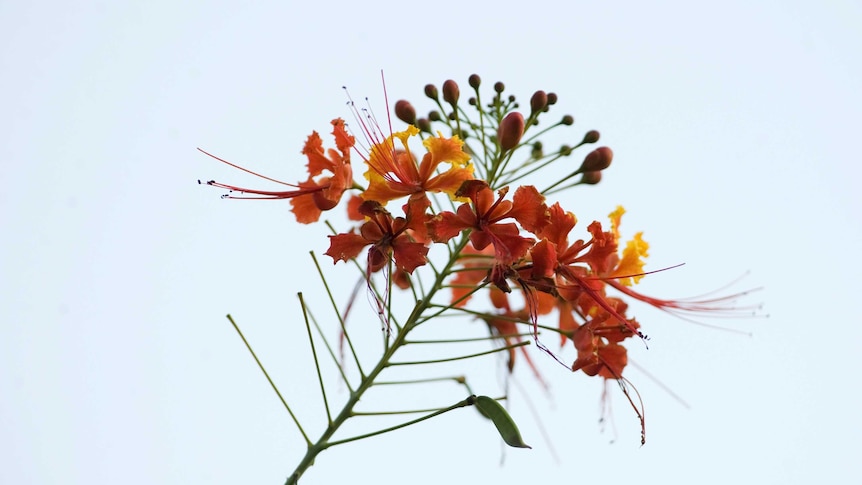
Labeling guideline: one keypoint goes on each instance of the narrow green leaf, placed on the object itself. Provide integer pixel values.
(494, 411)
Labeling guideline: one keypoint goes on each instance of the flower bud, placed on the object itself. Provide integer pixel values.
(424, 125)
(511, 130)
(434, 116)
(552, 98)
(598, 159)
(405, 112)
(499, 87)
(537, 152)
(591, 136)
(591, 178)
(567, 120)
(474, 81)
(451, 92)
(538, 102)
(431, 91)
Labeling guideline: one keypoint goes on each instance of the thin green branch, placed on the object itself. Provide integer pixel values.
(554, 187)
(271, 383)
(451, 341)
(314, 354)
(565, 187)
(466, 402)
(388, 299)
(394, 413)
(329, 350)
(500, 168)
(453, 306)
(458, 379)
(515, 176)
(463, 357)
(367, 381)
(474, 339)
(337, 313)
(482, 314)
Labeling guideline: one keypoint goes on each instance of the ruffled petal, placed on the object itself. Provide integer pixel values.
(529, 209)
(409, 255)
(345, 246)
(632, 263)
(450, 181)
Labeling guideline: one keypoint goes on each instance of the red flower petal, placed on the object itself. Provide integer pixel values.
(346, 246)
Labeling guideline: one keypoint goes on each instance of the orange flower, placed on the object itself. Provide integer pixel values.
(484, 218)
(389, 237)
(485, 214)
(393, 173)
(320, 192)
(582, 268)
(598, 341)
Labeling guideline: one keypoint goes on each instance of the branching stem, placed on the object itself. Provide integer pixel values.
(265, 373)
(368, 380)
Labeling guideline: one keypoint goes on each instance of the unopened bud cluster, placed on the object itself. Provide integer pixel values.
(499, 133)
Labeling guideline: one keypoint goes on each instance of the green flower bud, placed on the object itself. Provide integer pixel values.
(537, 151)
(424, 125)
(591, 136)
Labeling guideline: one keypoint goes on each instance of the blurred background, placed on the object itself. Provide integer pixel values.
(734, 128)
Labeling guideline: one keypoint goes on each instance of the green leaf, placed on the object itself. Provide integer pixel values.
(494, 411)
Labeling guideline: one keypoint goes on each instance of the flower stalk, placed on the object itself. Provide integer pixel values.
(436, 214)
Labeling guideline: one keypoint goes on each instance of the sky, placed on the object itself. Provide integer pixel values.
(734, 129)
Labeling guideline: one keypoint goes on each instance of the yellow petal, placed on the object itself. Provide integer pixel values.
(632, 261)
(615, 217)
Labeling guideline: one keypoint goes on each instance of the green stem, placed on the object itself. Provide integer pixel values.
(457, 379)
(466, 402)
(368, 380)
(337, 312)
(265, 373)
(331, 352)
(314, 353)
(462, 357)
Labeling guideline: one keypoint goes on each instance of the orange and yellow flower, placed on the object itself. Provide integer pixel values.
(394, 172)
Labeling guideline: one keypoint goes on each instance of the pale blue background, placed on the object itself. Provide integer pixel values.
(736, 132)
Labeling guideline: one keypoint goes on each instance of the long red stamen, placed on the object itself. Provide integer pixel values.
(710, 307)
(583, 284)
(244, 169)
(267, 194)
(386, 164)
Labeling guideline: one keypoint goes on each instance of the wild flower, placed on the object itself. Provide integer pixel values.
(520, 251)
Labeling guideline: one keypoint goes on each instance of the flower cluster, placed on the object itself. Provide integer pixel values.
(466, 191)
